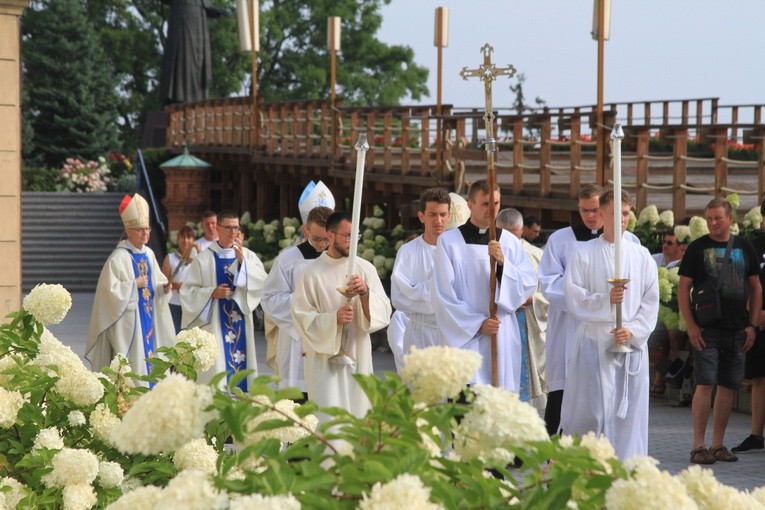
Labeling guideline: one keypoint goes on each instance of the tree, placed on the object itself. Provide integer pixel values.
(294, 61)
(71, 94)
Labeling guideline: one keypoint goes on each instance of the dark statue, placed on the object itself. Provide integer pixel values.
(186, 63)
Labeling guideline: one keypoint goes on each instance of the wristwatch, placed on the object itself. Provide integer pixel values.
(754, 326)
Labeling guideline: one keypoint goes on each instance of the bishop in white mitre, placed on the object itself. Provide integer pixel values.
(130, 314)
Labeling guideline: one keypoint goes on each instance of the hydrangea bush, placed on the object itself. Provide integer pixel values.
(424, 443)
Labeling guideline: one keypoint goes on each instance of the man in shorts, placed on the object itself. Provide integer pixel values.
(719, 348)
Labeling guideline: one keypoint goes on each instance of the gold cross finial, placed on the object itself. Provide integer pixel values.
(488, 72)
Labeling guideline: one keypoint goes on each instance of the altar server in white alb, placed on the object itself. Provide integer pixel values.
(561, 324)
(277, 296)
(320, 311)
(606, 392)
(222, 289)
(130, 309)
(413, 271)
(461, 288)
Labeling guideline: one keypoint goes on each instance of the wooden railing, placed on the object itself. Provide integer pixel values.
(547, 152)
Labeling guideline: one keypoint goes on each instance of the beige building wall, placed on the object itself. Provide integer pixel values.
(10, 155)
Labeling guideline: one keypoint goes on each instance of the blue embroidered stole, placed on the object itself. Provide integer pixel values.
(525, 387)
(141, 267)
(231, 323)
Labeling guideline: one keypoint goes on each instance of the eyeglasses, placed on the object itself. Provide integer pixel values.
(346, 236)
(589, 211)
(319, 240)
(143, 230)
(230, 228)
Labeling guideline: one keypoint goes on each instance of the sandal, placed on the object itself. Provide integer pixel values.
(702, 456)
(721, 453)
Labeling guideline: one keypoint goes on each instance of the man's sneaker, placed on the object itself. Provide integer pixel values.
(750, 443)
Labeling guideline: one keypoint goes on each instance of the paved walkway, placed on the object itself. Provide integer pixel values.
(670, 432)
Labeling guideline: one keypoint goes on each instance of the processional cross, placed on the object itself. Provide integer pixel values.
(487, 73)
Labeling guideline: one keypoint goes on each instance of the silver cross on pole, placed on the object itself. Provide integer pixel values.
(488, 72)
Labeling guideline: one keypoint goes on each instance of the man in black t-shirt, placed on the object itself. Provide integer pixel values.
(719, 349)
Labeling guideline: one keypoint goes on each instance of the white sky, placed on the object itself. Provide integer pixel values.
(659, 49)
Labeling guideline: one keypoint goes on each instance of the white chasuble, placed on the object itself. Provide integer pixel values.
(410, 293)
(277, 296)
(201, 310)
(115, 323)
(314, 311)
(461, 300)
(607, 393)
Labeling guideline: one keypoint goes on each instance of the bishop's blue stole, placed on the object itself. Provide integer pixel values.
(231, 323)
(141, 267)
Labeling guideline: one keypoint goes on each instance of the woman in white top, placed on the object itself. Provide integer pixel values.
(175, 267)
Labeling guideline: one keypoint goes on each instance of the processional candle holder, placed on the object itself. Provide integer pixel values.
(362, 146)
(617, 134)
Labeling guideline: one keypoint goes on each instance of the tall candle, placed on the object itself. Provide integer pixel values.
(361, 151)
(616, 137)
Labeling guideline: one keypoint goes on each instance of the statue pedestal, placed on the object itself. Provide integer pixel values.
(187, 195)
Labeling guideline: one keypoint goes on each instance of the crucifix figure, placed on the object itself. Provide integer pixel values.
(488, 72)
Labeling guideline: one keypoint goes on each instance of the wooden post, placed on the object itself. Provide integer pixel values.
(680, 173)
(641, 172)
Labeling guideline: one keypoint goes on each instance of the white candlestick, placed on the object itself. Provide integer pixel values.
(616, 137)
(361, 152)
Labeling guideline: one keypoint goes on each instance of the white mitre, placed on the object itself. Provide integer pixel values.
(134, 211)
(460, 211)
(315, 195)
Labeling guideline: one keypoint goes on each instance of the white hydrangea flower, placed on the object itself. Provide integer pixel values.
(49, 304)
(80, 385)
(204, 347)
(759, 495)
(141, 497)
(10, 404)
(120, 365)
(665, 490)
(405, 491)
(17, 493)
(284, 410)
(49, 438)
(710, 494)
(80, 496)
(76, 418)
(497, 420)
(72, 466)
(600, 448)
(648, 216)
(438, 372)
(260, 502)
(734, 228)
(698, 227)
(110, 474)
(51, 352)
(183, 417)
(192, 490)
(683, 233)
(753, 218)
(196, 454)
(667, 218)
(733, 199)
(103, 422)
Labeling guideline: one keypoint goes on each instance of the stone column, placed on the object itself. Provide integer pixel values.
(10, 154)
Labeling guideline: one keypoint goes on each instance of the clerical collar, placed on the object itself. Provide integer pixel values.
(132, 247)
(307, 251)
(475, 235)
(582, 233)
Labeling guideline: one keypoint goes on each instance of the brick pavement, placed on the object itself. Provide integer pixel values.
(670, 431)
